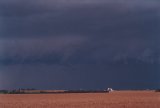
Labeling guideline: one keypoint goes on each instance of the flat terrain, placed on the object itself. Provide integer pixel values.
(117, 99)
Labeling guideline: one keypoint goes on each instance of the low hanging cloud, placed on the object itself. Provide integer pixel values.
(21, 50)
(84, 41)
(109, 30)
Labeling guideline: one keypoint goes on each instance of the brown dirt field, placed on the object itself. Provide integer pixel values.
(117, 99)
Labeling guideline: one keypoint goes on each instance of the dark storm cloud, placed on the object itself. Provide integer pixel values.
(33, 50)
(103, 23)
(31, 18)
(83, 43)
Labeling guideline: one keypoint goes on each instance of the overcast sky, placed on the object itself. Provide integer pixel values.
(80, 44)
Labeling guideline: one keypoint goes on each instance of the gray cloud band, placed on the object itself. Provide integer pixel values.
(110, 28)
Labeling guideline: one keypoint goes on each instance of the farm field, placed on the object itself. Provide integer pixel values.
(116, 99)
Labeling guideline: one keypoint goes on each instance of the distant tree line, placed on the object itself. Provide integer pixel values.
(16, 91)
(33, 91)
(158, 90)
(4, 91)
